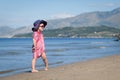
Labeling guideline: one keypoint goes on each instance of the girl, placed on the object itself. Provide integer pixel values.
(38, 47)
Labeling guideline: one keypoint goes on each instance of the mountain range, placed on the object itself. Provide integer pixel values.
(96, 18)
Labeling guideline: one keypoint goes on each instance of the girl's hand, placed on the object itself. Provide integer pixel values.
(33, 49)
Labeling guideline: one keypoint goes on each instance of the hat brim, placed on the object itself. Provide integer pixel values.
(44, 22)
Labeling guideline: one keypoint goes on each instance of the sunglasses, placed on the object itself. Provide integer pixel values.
(42, 26)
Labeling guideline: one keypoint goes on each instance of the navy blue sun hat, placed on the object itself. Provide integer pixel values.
(37, 23)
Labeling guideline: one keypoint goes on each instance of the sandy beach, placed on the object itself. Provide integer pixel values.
(107, 68)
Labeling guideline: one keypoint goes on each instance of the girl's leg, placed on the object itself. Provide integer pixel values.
(33, 65)
(45, 60)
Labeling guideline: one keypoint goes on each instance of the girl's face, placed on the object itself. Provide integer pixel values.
(41, 27)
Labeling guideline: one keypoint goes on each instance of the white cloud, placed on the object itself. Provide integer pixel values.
(109, 4)
(103, 5)
(61, 15)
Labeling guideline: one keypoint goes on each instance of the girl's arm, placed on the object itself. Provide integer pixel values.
(35, 38)
(34, 43)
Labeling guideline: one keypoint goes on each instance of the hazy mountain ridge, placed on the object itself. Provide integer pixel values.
(9, 32)
(97, 18)
(108, 18)
(5, 31)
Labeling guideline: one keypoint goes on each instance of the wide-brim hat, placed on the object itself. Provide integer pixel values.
(37, 23)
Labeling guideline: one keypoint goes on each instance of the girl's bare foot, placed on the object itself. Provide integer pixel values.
(46, 69)
(34, 71)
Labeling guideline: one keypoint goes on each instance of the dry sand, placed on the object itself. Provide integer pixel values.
(107, 68)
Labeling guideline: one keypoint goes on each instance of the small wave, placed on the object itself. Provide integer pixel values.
(56, 55)
(6, 71)
(58, 62)
(102, 47)
(25, 69)
(97, 42)
(57, 50)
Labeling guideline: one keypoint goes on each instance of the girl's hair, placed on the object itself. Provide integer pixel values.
(34, 29)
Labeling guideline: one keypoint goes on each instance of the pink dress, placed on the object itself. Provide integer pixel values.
(40, 48)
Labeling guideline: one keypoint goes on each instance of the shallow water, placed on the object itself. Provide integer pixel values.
(16, 56)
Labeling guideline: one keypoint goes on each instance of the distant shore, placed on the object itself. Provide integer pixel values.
(107, 68)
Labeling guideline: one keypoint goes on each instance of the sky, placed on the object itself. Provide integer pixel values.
(18, 13)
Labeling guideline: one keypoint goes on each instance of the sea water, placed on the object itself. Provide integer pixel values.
(16, 55)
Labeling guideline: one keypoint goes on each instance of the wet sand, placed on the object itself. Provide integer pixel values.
(107, 68)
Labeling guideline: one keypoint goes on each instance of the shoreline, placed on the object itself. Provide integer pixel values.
(106, 68)
(53, 37)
